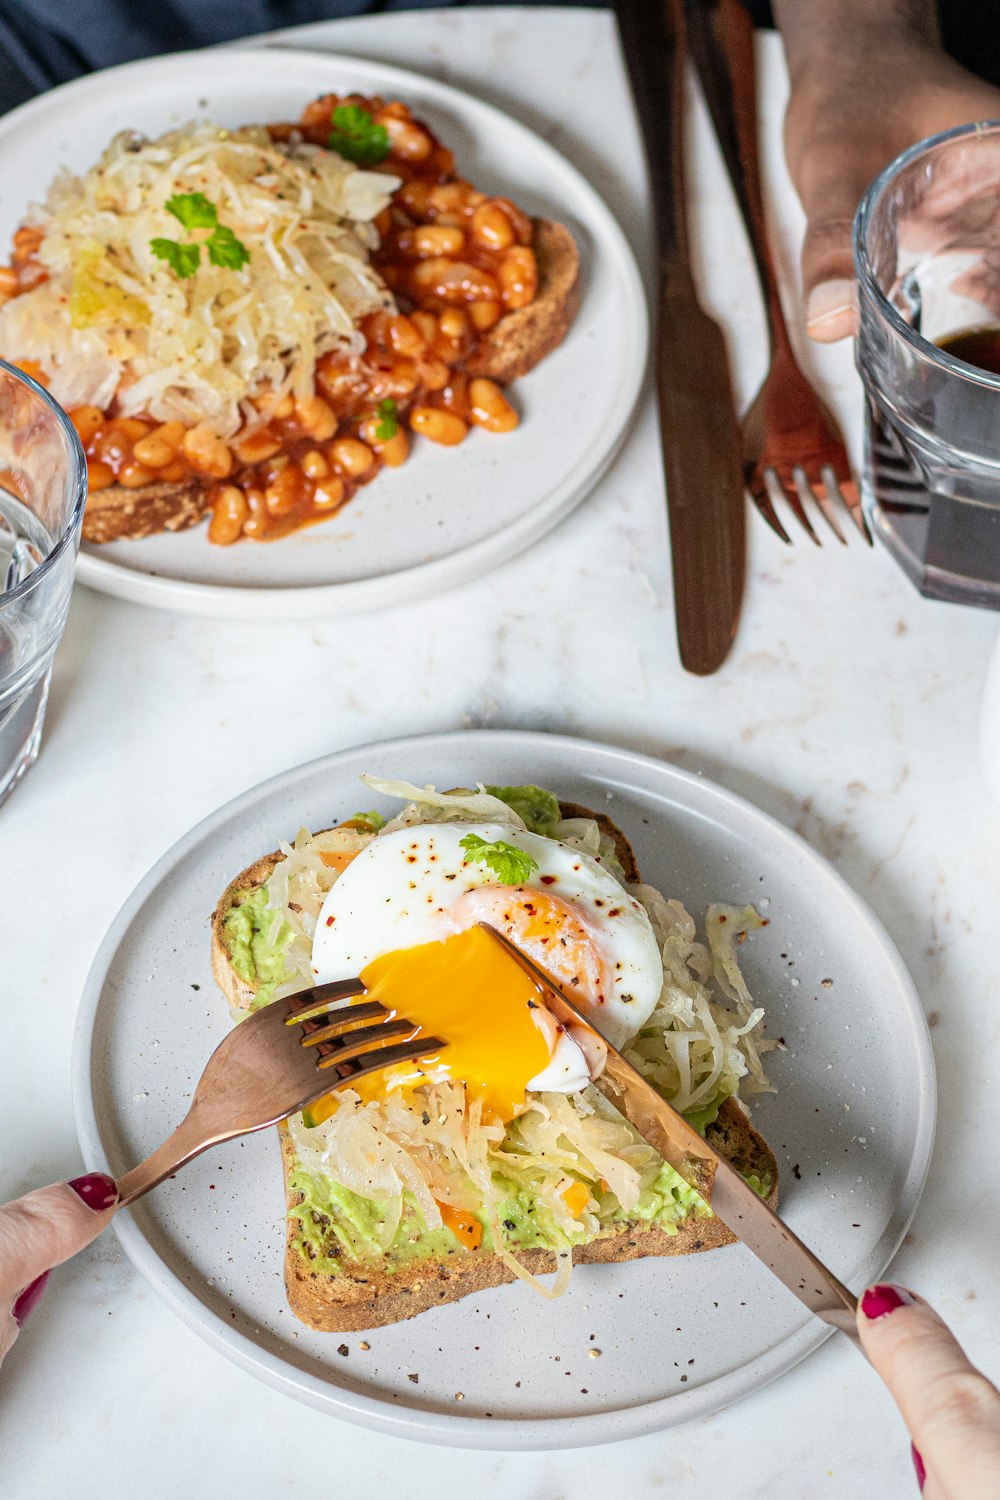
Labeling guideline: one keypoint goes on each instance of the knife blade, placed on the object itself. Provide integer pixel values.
(731, 1198)
(702, 456)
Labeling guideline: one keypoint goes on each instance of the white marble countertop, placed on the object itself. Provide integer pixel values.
(847, 710)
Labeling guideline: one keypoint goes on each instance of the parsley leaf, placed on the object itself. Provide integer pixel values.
(193, 210)
(357, 137)
(180, 258)
(513, 866)
(224, 249)
(387, 425)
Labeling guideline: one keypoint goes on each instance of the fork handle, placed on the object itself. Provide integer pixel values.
(187, 1141)
(720, 40)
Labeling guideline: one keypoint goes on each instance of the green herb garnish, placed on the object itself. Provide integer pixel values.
(512, 865)
(194, 211)
(387, 424)
(180, 258)
(224, 249)
(357, 137)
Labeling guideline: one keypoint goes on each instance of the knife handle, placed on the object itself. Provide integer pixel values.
(653, 43)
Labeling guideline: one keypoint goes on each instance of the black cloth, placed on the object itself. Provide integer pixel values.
(45, 42)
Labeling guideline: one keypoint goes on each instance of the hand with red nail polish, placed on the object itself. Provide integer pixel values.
(40, 1231)
(951, 1409)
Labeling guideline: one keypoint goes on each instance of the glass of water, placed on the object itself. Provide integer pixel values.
(927, 256)
(43, 487)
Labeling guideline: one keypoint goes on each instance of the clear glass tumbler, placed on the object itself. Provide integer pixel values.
(927, 256)
(43, 487)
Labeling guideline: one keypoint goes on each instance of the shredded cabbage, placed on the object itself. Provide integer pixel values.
(113, 321)
(425, 805)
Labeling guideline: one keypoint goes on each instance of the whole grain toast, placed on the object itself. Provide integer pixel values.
(519, 341)
(369, 1296)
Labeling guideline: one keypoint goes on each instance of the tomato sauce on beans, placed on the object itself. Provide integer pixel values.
(455, 259)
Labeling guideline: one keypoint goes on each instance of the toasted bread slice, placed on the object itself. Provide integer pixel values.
(517, 343)
(368, 1296)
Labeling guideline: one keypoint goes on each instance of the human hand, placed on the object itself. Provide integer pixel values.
(40, 1231)
(952, 1411)
(859, 97)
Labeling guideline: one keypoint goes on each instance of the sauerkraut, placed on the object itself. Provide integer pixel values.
(114, 321)
(577, 1163)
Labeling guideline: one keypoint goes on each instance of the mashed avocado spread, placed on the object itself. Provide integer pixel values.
(257, 938)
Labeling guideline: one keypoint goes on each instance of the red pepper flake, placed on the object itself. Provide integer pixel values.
(330, 921)
(722, 918)
(549, 879)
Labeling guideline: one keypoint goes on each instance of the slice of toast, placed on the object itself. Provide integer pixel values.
(519, 341)
(368, 1296)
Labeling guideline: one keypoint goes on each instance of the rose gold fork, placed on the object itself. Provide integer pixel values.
(277, 1062)
(793, 449)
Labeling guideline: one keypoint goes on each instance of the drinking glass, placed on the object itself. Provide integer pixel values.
(927, 257)
(43, 486)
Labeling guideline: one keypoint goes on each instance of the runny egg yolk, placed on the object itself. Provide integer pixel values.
(474, 996)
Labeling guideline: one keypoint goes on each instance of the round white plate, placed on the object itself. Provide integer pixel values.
(851, 1123)
(448, 514)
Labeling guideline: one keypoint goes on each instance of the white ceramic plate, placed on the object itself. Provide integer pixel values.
(851, 1124)
(448, 514)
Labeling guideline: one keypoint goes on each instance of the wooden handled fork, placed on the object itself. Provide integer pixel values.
(278, 1061)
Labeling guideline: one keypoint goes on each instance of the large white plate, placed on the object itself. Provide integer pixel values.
(851, 1124)
(448, 514)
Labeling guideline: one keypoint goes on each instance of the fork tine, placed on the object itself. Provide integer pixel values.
(847, 494)
(321, 997)
(821, 493)
(762, 500)
(335, 1036)
(338, 1019)
(385, 1057)
(777, 490)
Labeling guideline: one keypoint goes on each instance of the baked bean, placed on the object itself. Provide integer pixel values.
(489, 407)
(285, 491)
(160, 447)
(454, 334)
(115, 440)
(207, 453)
(316, 417)
(134, 476)
(428, 240)
(328, 494)
(174, 472)
(519, 277)
(522, 225)
(354, 458)
(492, 227)
(434, 374)
(395, 450)
(256, 522)
(229, 511)
(455, 280)
(454, 396)
(415, 197)
(425, 323)
(314, 465)
(407, 139)
(99, 475)
(257, 446)
(440, 426)
(9, 281)
(87, 420)
(405, 337)
(485, 315)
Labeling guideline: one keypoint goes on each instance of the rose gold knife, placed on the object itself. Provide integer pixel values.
(702, 1167)
(702, 455)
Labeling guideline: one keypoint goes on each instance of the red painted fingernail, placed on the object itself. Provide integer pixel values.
(97, 1190)
(29, 1299)
(918, 1464)
(880, 1300)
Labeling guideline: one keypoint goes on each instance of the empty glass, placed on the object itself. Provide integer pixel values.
(927, 255)
(43, 486)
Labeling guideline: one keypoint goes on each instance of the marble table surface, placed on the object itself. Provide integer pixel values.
(847, 710)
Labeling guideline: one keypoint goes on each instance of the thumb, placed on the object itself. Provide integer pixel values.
(46, 1227)
(951, 1410)
(828, 285)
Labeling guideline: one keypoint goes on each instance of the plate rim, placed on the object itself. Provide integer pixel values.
(420, 579)
(435, 1426)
